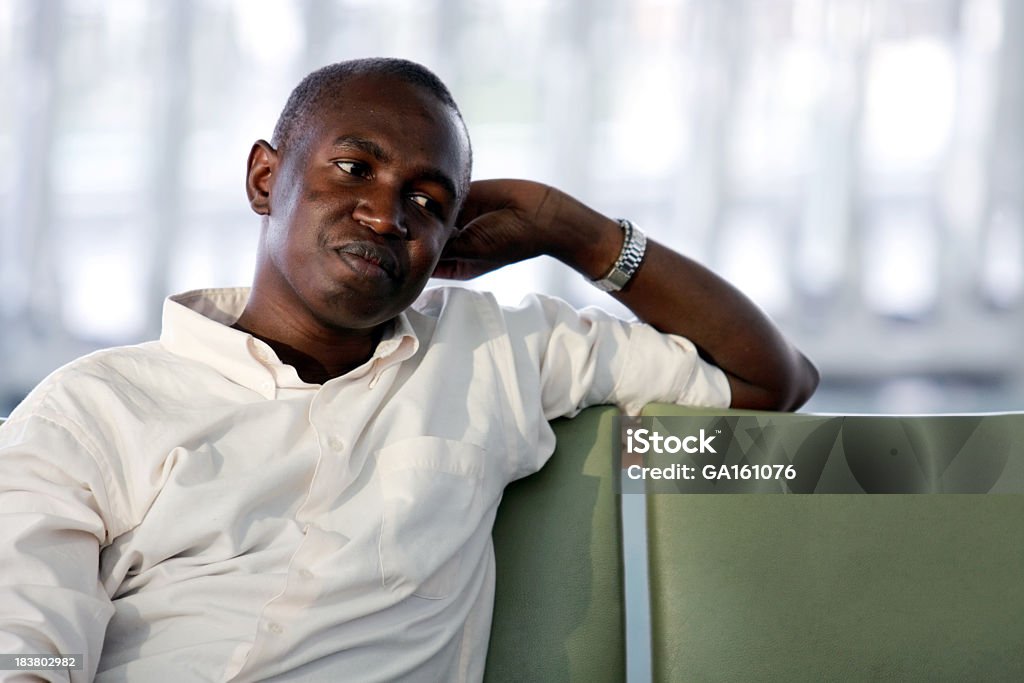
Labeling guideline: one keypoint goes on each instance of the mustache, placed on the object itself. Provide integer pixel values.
(374, 253)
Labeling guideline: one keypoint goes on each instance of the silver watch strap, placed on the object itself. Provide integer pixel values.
(634, 246)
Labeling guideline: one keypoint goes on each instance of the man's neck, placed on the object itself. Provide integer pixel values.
(318, 354)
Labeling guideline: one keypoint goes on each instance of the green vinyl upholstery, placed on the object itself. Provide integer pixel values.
(763, 587)
(852, 587)
(559, 604)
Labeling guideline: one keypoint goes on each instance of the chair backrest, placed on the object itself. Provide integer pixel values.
(559, 603)
(840, 586)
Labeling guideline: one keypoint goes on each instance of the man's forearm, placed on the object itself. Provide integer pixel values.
(680, 296)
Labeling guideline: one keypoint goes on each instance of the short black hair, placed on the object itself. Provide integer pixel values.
(325, 83)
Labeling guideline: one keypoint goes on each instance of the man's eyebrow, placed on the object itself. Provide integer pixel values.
(380, 154)
(442, 179)
(362, 144)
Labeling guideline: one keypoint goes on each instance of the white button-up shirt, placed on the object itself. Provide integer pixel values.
(191, 510)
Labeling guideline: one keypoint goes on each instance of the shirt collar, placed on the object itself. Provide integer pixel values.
(197, 325)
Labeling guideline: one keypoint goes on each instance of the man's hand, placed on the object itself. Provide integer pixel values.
(504, 221)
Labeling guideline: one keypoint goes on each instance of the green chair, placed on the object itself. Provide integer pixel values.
(761, 587)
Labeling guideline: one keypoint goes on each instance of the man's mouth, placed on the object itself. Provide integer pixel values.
(371, 254)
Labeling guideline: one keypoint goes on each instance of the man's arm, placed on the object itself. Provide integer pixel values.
(51, 599)
(504, 221)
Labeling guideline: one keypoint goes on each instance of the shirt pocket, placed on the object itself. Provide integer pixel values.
(433, 504)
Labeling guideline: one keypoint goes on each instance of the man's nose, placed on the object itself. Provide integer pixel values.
(381, 211)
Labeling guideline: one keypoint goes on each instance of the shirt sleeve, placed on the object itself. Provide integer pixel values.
(51, 530)
(590, 357)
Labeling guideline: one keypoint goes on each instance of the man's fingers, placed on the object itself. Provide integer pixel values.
(480, 237)
(493, 234)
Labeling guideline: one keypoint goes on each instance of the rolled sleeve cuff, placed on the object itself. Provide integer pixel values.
(667, 368)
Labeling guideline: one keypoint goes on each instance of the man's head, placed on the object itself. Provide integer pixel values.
(322, 87)
(359, 192)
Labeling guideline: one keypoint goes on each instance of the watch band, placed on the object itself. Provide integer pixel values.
(634, 245)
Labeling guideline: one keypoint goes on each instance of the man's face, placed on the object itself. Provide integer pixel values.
(360, 203)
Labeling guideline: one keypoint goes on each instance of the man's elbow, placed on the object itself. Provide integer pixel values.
(803, 385)
(787, 392)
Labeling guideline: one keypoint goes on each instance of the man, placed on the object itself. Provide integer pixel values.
(298, 481)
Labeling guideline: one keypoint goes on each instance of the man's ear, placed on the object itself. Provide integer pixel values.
(259, 177)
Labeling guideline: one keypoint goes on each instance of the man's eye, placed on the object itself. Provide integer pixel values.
(352, 167)
(426, 202)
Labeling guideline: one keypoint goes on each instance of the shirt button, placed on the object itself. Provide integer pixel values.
(335, 443)
(275, 627)
(306, 574)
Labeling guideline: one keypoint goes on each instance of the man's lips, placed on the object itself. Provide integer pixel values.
(376, 255)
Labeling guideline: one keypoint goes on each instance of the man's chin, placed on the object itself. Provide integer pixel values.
(344, 316)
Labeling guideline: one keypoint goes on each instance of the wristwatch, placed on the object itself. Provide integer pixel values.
(634, 245)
